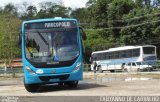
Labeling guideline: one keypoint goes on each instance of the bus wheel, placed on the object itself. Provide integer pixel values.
(31, 87)
(72, 84)
(100, 70)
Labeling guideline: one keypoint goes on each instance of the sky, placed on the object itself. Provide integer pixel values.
(68, 3)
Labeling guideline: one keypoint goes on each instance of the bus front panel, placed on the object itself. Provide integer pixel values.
(51, 51)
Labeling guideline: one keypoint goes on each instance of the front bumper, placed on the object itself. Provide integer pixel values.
(52, 78)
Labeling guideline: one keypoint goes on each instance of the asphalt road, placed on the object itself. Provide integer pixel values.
(95, 86)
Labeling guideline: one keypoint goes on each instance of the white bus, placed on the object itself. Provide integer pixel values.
(115, 58)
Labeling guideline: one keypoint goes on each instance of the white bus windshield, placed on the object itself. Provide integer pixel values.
(149, 50)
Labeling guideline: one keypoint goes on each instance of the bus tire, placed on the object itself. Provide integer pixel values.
(31, 87)
(100, 70)
(72, 84)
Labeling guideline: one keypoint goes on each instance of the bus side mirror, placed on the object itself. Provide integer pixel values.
(83, 34)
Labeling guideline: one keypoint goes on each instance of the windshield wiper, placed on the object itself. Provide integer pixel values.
(44, 40)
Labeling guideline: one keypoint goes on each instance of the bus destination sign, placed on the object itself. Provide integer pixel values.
(57, 24)
(48, 25)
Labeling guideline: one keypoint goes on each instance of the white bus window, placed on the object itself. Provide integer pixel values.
(95, 57)
(123, 54)
(149, 50)
(106, 56)
(110, 55)
(113, 55)
(136, 52)
(120, 55)
(129, 53)
(116, 54)
(100, 56)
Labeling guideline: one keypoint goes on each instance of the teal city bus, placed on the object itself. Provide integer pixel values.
(52, 52)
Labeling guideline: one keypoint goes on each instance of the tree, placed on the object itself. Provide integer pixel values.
(117, 9)
(58, 11)
(90, 3)
(9, 25)
(156, 3)
(52, 9)
(23, 10)
(10, 8)
(31, 11)
(80, 14)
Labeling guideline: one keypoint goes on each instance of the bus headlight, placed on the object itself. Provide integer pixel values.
(77, 67)
(30, 70)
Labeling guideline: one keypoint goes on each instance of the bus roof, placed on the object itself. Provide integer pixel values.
(122, 48)
(49, 19)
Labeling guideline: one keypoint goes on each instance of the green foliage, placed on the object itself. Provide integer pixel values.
(95, 42)
(10, 8)
(50, 10)
(31, 11)
(9, 25)
(80, 14)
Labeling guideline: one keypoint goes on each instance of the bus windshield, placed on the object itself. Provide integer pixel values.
(149, 50)
(51, 46)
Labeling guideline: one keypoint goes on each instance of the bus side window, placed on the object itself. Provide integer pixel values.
(124, 54)
(109, 55)
(116, 55)
(94, 57)
(103, 57)
(136, 52)
(120, 55)
(129, 53)
(100, 56)
(106, 55)
(113, 55)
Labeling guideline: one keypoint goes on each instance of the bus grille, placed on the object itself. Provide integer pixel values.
(60, 77)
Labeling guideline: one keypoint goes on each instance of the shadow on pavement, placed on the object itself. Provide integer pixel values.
(50, 88)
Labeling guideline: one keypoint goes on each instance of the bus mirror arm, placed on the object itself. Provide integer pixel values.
(84, 37)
